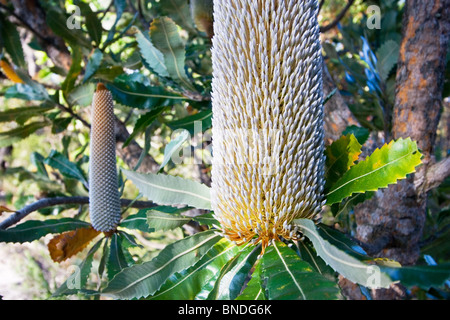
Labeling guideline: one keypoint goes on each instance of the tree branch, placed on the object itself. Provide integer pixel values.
(338, 18)
(436, 174)
(50, 202)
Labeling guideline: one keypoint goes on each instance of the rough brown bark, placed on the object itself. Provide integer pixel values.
(33, 16)
(131, 153)
(391, 223)
(337, 115)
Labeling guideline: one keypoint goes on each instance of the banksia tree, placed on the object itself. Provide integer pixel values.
(268, 162)
(104, 200)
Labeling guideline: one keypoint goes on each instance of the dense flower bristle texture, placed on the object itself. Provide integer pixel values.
(268, 136)
(104, 199)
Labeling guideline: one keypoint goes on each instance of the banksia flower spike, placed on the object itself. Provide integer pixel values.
(268, 136)
(104, 199)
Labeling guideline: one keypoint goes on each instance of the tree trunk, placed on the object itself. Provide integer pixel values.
(391, 223)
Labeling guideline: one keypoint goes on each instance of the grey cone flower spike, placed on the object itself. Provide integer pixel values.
(268, 135)
(104, 199)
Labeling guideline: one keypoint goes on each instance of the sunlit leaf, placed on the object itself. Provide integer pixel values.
(232, 277)
(165, 37)
(287, 277)
(151, 55)
(254, 289)
(383, 167)
(82, 95)
(170, 190)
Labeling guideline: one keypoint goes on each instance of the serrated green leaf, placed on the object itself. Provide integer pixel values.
(171, 190)
(360, 133)
(67, 168)
(254, 289)
(138, 95)
(173, 148)
(93, 64)
(38, 90)
(187, 284)
(424, 277)
(24, 92)
(233, 275)
(206, 219)
(340, 156)
(308, 254)
(151, 55)
(81, 95)
(33, 230)
(7, 138)
(343, 256)
(24, 112)
(387, 56)
(144, 122)
(179, 11)
(164, 35)
(145, 279)
(38, 161)
(289, 278)
(166, 218)
(119, 258)
(383, 167)
(137, 221)
(193, 123)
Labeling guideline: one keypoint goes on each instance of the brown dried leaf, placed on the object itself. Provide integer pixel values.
(67, 244)
(5, 209)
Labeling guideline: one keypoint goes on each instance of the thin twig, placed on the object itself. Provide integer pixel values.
(50, 202)
(73, 114)
(339, 17)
